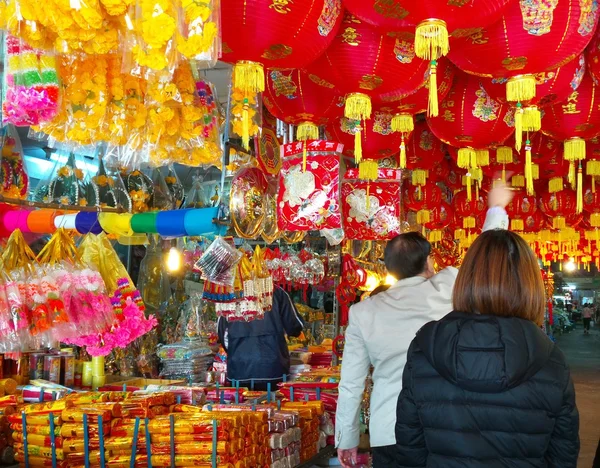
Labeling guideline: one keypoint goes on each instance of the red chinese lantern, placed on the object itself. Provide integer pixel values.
(440, 172)
(364, 63)
(592, 164)
(503, 160)
(592, 55)
(423, 152)
(440, 218)
(534, 222)
(591, 204)
(521, 206)
(468, 209)
(422, 200)
(557, 206)
(519, 44)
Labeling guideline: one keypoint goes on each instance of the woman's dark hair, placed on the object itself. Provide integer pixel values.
(500, 276)
(406, 255)
(379, 289)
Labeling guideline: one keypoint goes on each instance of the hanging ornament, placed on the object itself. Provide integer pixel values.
(422, 200)
(423, 153)
(557, 206)
(521, 206)
(468, 208)
(439, 219)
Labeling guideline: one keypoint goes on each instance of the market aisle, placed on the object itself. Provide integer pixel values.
(583, 355)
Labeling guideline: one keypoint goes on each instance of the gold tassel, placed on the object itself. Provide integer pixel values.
(518, 181)
(469, 194)
(517, 225)
(595, 220)
(571, 177)
(304, 155)
(431, 39)
(368, 170)
(528, 168)
(423, 216)
(593, 184)
(532, 119)
(535, 171)
(483, 157)
(518, 126)
(504, 155)
(419, 177)
(358, 145)
(368, 201)
(402, 153)
(574, 149)
(245, 126)
(469, 222)
(465, 157)
(579, 206)
(592, 168)
(459, 234)
(403, 123)
(520, 88)
(358, 107)
(434, 236)
(556, 184)
(433, 105)
(249, 77)
(559, 223)
(503, 174)
(307, 131)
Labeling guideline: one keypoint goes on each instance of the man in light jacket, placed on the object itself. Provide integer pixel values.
(382, 327)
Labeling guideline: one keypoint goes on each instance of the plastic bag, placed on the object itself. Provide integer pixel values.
(175, 187)
(14, 181)
(218, 263)
(199, 38)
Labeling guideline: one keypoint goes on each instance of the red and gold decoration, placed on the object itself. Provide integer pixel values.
(377, 218)
(591, 204)
(424, 152)
(422, 200)
(468, 208)
(558, 207)
(520, 209)
(439, 219)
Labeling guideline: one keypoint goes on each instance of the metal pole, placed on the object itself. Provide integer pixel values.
(225, 158)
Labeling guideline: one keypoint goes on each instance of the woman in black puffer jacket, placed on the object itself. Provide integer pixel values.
(484, 386)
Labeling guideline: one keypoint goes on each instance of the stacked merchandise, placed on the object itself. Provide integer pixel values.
(8, 404)
(309, 423)
(189, 360)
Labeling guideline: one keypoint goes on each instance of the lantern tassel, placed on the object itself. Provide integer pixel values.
(559, 223)
(307, 131)
(555, 184)
(402, 154)
(593, 184)
(571, 177)
(517, 225)
(518, 180)
(595, 220)
(459, 234)
(358, 145)
(368, 200)
(520, 88)
(358, 107)
(245, 126)
(592, 168)
(469, 222)
(368, 170)
(469, 194)
(431, 39)
(419, 177)
(532, 119)
(518, 126)
(465, 157)
(483, 157)
(249, 77)
(504, 173)
(504, 155)
(433, 105)
(579, 206)
(574, 149)
(403, 123)
(304, 155)
(423, 216)
(528, 169)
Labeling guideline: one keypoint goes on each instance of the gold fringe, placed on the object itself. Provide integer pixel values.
(532, 119)
(520, 88)
(528, 169)
(402, 153)
(595, 220)
(556, 184)
(571, 176)
(245, 126)
(403, 123)
(358, 107)
(433, 105)
(307, 131)
(423, 216)
(469, 222)
(465, 157)
(434, 236)
(368, 170)
(249, 77)
(431, 39)
(483, 157)
(592, 168)
(579, 205)
(469, 194)
(518, 126)
(459, 234)
(304, 155)
(504, 155)
(535, 171)
(503, 175)
(358, 145)
(593, 184)
(517, 225)
(574, 149)
(419, 177)
(559, 222)
(518, 181)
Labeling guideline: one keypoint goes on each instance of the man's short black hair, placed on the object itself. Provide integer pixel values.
(406, 255)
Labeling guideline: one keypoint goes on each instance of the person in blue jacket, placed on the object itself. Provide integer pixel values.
(257, 351)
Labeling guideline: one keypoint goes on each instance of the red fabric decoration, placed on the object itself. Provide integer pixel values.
(381, 220)
(470, 118)
(521, 206)
(424, 150)
(591, 199)
(555, 167)
(531, 37)
(426, 197)
(361, 59)
(278, 34)
(440, 217)
(378, 140)
(578, 116)
(535, 222)
(309, 200)
(441, 172)
(292, 97)
(464, 208)
(592, 55)
(559, 204)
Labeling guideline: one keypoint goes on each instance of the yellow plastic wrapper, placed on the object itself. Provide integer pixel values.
(76, 414)
(185, 426)
(97, 397)
(78, 445)
(41, 430)
(124, 461)
(48, 407)
(187, 438)
(194, 448)
(37, 451)
(75, 430)
(38, 461)
(122, 443)
(316, 406)
(161, 461)
(79, 458)
(34, 420)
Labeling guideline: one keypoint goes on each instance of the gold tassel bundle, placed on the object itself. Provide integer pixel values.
(592, 168)
(467, 157)
(520, 88)
(571, 176)
(403, 123)
(358, 107)
(306, 131)
(423, 216)
(528, 169)
(574, 149)
(559, 222)
(469, 222)
(469, 182)
(431, 39)
(517, 225)
(579, 205)
(459, 234)
(595, 220)
(483, 157)
(532, 119)
(249, 78)
(419, 177)
(368, 170)
(433, 108)
(518, 181)
(402, 153)
(535, 171)
(518, 126)
(434, 236)
(504, 155)
(556, 184)
(246, 125)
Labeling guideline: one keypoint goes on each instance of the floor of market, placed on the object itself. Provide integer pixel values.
(583, 354)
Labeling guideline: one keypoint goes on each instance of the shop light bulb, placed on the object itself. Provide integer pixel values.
(390, 280)
(173, 260)
(372, 283)
(570, 265)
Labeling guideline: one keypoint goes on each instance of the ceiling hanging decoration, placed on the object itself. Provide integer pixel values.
(422, 200)
(363, 63)
(519, 209)
(433, 22)
(440, 217)
(424, 152)
(558, 206)
(292, 34)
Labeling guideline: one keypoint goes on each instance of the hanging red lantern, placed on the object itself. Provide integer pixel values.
(518, 44)
(439, 219)
(423, 152)
(503, 160)
(468, 209)
(591, 204)
(534, 222)
(592, 164)
(422, 200)
(521, 206)
(557, 206)
(592, 55)
(440, 172)
(278, 34)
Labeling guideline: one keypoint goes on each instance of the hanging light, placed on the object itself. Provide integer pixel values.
(174, 260)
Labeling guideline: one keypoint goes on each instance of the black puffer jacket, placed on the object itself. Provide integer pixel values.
(486, 392)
